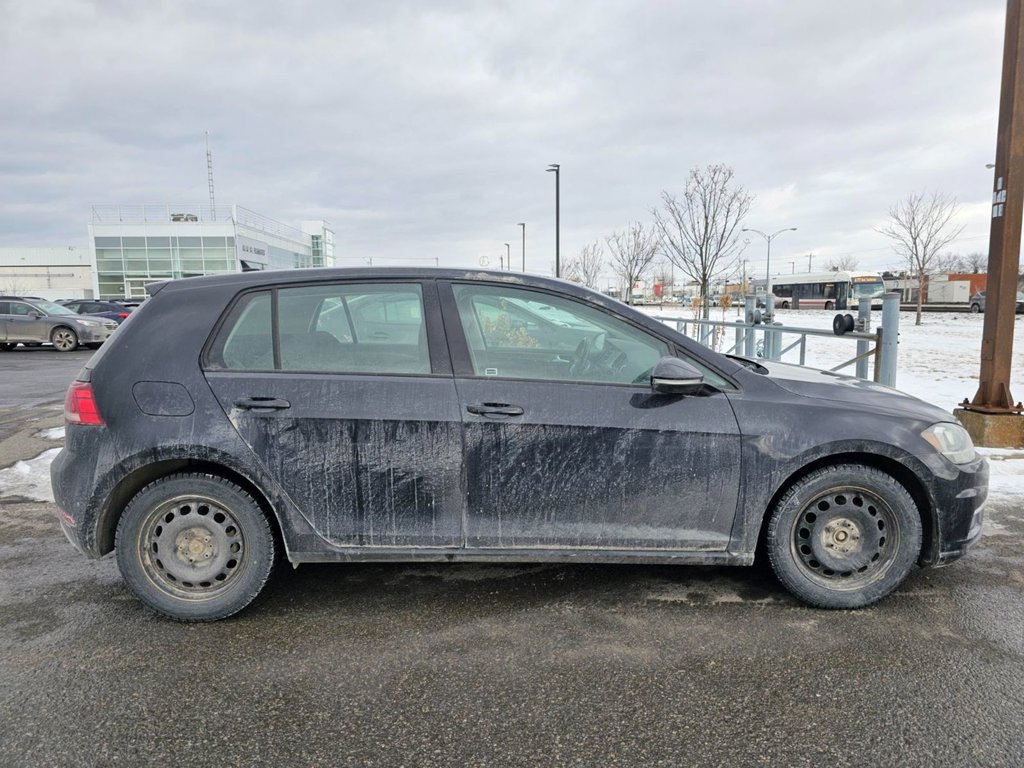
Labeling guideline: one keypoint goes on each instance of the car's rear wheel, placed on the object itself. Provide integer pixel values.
(844, 536)
(64, 339)
(829, 305)
(194, 547)
(975, 309)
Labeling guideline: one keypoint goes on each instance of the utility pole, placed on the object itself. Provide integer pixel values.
(556, 169)
(508, 256)
(991, 417)
(523, 225)
(810, 257)
(792, 267)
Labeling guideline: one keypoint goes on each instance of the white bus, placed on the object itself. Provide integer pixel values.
(827, 290)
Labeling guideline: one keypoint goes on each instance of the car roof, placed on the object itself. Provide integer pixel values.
(282, 276)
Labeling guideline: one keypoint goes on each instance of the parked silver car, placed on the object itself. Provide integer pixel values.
(35, 321)
(978, 303)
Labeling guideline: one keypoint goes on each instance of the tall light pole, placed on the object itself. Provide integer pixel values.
(523, 225)
(769, 310)
(556, 168)
(508, 256)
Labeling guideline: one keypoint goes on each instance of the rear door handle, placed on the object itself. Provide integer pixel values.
(271, 403)
(495, 409)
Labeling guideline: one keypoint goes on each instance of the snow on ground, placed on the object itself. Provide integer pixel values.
(29, 479)
(54, 433)
(937, 361)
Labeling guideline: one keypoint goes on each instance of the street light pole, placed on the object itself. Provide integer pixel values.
(556, 168)
(508, 256)
(523, 225)
(770, 311)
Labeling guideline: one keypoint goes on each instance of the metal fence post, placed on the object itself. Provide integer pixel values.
(749, 342)
(890, 337)
(864, 325)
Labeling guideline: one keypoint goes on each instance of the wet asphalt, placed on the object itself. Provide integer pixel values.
(497, 665)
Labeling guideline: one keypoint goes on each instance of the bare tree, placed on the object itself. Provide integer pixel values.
(845, 263)
(975, 262)
(585, 267)
(947, 262)
(699, 232)
(631, 252)
(920, 226)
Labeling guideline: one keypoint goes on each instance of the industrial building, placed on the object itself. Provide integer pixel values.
(133, 245)
(49, 273)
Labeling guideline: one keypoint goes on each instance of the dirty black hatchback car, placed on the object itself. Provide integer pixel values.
(443, 415)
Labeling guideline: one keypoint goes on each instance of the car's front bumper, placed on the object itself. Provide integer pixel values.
(89, 334)
(959, 496)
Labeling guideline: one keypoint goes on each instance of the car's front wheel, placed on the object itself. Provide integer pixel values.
(64, 339)
(844, 536)
(194, 547)
(975, 309)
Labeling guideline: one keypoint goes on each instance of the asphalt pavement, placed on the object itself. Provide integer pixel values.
(497, 665)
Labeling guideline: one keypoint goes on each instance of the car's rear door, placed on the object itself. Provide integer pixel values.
(566, 452)
(27, 323)
(359, 424)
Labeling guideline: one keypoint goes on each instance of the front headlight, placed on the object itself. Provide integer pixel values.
(91, 323)
(952, 441)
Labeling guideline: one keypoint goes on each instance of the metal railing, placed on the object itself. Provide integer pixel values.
(160, 213)
(878, 347)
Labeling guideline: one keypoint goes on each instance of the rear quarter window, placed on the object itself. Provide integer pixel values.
(245, 342)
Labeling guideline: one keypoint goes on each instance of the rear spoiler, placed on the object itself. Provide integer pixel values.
(154, 288)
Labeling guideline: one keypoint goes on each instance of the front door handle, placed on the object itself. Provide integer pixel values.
(271, 403)
(495, 409)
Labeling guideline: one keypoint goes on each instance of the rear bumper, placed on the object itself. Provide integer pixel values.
(72, 476)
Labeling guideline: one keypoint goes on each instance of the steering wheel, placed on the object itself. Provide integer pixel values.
(582, 363)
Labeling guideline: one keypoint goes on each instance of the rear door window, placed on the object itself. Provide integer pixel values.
(345, 328)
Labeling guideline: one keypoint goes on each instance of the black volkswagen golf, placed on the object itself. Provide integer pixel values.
(442, 415)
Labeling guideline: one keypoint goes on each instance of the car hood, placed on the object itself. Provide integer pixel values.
(825, 385)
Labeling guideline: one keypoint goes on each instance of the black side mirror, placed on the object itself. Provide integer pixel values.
(672, 376)
(36, 315)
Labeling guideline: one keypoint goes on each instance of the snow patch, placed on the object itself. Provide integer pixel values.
(29, 479)
(54, 433)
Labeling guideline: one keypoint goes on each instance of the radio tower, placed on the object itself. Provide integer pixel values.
(209, 177)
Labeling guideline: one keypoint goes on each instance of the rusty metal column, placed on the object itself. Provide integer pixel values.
(993, 394)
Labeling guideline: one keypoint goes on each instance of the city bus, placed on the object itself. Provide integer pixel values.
(827, 290)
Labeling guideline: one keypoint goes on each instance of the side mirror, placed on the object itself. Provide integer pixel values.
(672, 376)
(36, 315)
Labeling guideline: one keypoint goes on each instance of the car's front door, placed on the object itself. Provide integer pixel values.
(26, 323)
(349, 407)
(567, 446)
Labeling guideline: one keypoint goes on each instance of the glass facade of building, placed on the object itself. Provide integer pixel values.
(126, 264)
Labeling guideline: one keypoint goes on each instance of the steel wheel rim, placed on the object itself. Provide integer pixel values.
(63, 339)
(192, 548)
(845, 539)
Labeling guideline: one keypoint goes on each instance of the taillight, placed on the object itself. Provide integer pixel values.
(80, 405)
(123, 315)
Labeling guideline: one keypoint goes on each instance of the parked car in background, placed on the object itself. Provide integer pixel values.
(109, 309)
(444, 415)
(978, 303)
(38, 321)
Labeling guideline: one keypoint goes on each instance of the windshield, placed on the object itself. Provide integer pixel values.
(53, 309)
(871, 290)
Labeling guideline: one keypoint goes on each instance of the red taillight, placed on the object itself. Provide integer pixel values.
(80, 405)
(123, 315)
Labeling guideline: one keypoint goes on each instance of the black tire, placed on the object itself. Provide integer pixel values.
(975, 309)
(64, 339)
(194, 547)
(843, 536)
(838, 325)
(5, 347)
(850, 323)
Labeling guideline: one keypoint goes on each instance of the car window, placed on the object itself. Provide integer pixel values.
(5, 308)
(17, 308)
(523, 334)
(353, 328)
(246, 341)
(73, 305)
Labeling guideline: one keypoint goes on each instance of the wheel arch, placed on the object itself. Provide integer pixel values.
(903, 474)
(139, 478)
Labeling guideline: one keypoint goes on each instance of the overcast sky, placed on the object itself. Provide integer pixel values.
(422, 129)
